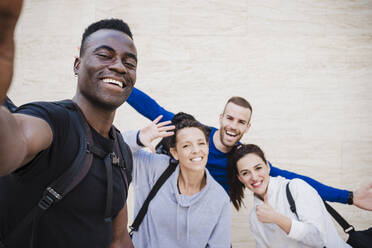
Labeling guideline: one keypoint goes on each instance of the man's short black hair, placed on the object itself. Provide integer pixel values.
(115, 24)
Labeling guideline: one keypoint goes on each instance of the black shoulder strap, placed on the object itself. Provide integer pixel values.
(340, 220)
(126, 155)
(291, 202)
(163, 146)
(9, 105)
(79, 168)
(58, 189)
(142, 212)
(83, 161)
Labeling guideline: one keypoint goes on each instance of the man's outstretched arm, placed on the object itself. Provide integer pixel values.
(22, 137)
(147, 106)
(9, 12)
(327, 193)
(361, 198)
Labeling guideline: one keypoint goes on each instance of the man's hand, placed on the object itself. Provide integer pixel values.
(363, 197)
(155, 130)
(9, 13)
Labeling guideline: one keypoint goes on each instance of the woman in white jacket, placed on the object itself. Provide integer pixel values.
(191, 209)
(272, 222)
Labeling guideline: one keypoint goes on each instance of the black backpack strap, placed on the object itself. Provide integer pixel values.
(108, 160)
(142, 212)
(292, 204)
(9, 105)
(163, 146)
(58, 189)
(125, 154)
(83, 161)
(340, 220)
(80, 167)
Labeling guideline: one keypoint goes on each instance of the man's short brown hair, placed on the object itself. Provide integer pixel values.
(240, 101)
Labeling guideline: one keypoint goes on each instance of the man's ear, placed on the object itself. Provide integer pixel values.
(173, 151)
(77, 65)
(221, 116)
(248, 126)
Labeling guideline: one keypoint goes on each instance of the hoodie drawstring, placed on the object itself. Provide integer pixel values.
(188, 225)
(178, 222)
(179, 236)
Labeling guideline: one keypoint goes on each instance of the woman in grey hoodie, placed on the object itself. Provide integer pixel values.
(191, 209)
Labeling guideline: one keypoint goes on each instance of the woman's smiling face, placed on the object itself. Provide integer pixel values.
(191, 149)
(253, 172)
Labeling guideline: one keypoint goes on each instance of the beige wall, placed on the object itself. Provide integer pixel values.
(306, 67)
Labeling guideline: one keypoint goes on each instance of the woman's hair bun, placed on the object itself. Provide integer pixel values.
(181, 116)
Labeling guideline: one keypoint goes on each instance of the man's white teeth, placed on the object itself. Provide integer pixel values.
(113, 81)
(231, 133)
(196, 159)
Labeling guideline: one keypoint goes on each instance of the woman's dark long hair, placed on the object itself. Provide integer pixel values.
(236, 190)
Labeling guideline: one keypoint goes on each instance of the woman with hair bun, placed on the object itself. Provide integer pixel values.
(272, 222)
(191, 209)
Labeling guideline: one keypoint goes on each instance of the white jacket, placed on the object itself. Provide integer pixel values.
(314, 228)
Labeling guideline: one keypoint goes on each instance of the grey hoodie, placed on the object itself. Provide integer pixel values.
(176, 220)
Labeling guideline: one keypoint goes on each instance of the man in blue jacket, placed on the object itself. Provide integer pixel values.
(234, 122)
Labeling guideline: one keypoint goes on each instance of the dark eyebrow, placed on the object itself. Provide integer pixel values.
(254, 166)
(104, 47)
(259, 164)
(131, 55)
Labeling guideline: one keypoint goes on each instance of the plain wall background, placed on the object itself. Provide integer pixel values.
(305, 66)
